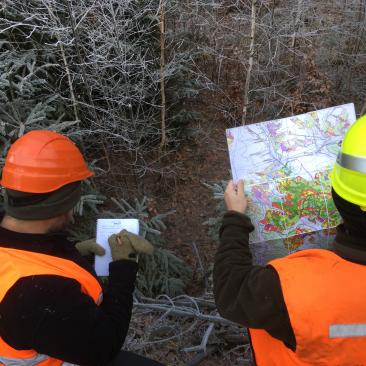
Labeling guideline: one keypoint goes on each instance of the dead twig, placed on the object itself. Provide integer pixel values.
(201, 356)
(203, 346)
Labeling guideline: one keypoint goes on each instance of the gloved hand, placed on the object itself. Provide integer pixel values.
(89, 247)
(126, 245)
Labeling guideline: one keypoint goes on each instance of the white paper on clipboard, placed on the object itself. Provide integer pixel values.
(105, 228)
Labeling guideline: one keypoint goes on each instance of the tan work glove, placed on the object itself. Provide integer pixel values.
(126, 245)
(89, 247)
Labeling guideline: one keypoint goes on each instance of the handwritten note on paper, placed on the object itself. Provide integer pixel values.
(105, 228)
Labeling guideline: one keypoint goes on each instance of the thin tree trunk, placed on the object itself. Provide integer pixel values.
(363, 109)
(250, 67)
(296, 27)
(162, 75)
(273, 7)
(72, 94)
(68, 74)
(84, 77)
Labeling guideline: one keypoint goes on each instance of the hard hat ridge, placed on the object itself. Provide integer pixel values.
(43, 161)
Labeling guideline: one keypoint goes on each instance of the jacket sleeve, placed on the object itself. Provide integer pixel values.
(248, 294)
(50, 315)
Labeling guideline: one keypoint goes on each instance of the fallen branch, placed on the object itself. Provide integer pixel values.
(203, 346)
(184, 312)
(183, 300)
(201, 356)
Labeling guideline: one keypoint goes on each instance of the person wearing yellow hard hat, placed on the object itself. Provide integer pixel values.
(52, 307)
(308, 308)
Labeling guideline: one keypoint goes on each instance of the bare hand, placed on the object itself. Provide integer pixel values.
(235, 198)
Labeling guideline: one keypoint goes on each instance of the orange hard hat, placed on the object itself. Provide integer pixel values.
(43, 161)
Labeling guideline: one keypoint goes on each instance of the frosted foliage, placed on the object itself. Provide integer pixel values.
(92, 70)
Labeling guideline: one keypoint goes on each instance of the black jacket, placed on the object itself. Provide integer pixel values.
(251, 295)
(49, 313)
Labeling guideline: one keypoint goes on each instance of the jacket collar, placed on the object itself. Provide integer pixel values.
(351, 248)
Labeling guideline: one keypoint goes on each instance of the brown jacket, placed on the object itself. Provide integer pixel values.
(251, 295)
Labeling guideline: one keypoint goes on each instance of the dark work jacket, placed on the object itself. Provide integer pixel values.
(49, 314)
(251, 295)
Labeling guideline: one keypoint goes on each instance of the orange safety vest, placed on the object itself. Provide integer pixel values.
(325, 297)
(16, 264)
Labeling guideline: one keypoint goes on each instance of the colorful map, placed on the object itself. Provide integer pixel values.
(286, 165)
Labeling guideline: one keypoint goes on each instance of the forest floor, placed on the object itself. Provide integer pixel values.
(201, 160)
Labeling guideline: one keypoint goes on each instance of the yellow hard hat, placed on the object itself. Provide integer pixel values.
(349, 173)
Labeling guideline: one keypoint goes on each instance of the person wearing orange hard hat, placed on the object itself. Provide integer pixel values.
(308, 308)
(52, 307)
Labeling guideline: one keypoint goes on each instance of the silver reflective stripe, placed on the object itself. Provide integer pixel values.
(36, 360)
(347, 330)
(355, 163)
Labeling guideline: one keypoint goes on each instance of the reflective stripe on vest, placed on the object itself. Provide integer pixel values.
(347, 330)
(34, 361)
(16, 264)
(326, 302)
(355, 163)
